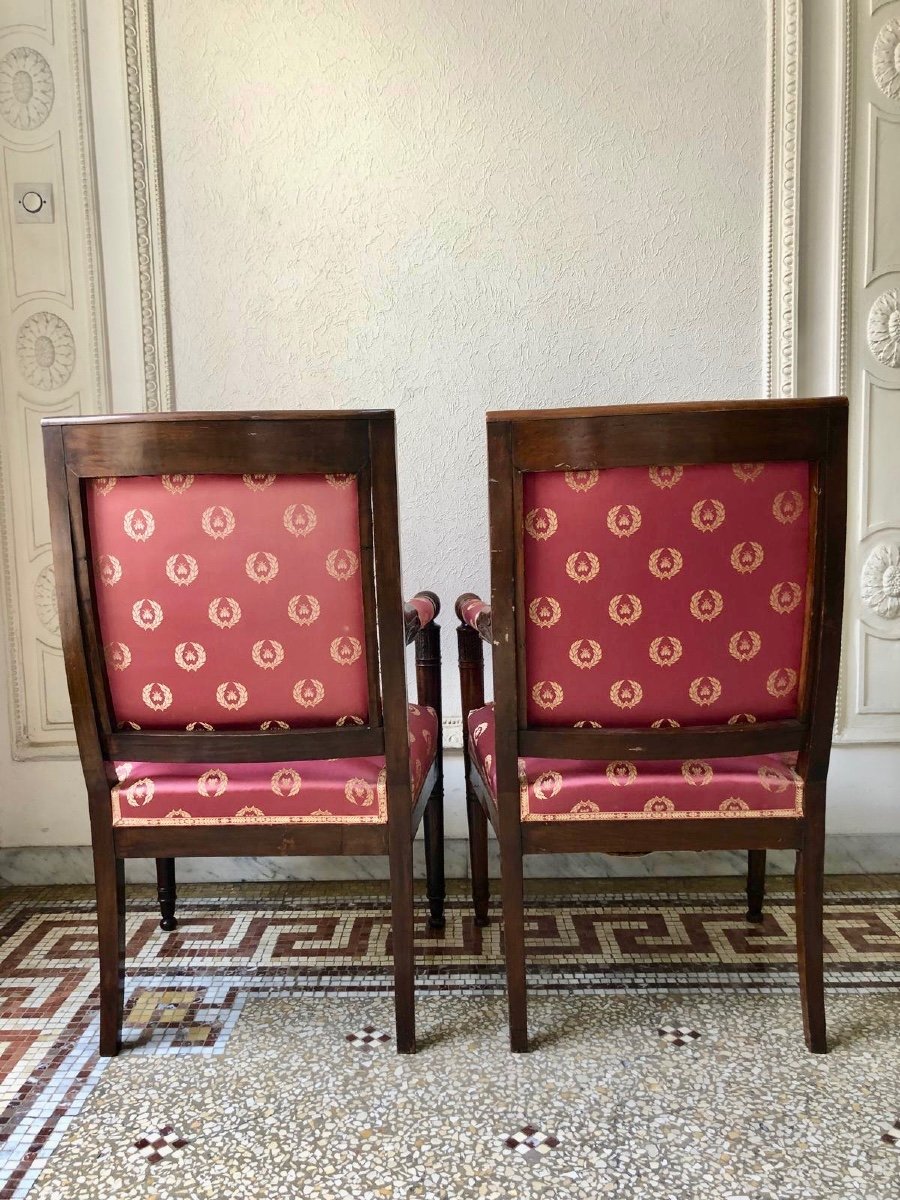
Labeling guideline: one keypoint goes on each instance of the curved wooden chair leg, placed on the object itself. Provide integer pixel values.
(165, 891)
(478, 858)
(109, 878)
(809, 891)
(756, 884)
(433, 822)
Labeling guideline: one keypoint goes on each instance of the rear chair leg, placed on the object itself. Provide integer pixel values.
(165, 891)
(809, 891)
(756, 884)
(109, 878)
(478, 856)
(434, 856)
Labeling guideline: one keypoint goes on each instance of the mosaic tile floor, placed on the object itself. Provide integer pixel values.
(668, 1058)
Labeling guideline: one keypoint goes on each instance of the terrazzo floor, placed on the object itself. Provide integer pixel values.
(667, 1055)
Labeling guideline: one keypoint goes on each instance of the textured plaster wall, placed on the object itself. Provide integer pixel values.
(448, 207)
(443, 207)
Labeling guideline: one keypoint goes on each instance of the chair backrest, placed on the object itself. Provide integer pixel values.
(228, 601)
(229, 585)
(667, 580)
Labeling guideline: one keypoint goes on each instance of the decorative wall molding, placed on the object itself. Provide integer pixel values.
(869, 698)
(886, 59)
(880, 583)
(845, 854)
(453, 733)
(53, 348)
(149, 207)
(26, 88)
(782, 182)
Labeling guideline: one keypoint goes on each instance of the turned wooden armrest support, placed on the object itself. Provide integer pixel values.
(419, 612)
(474, 628)
(419, 615)
(473, 611)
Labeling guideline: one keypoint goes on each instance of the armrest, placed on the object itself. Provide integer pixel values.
(473, 611)
(418, 612)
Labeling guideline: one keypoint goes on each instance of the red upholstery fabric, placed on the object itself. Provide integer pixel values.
(230, 600)
(424, 607)
(764, 785)
(665, 595)
(471, 610)
(339, 791)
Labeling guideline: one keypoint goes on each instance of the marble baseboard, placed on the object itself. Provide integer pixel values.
(845, 855)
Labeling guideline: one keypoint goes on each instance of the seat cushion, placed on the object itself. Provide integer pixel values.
(762, 785)
(334, 791)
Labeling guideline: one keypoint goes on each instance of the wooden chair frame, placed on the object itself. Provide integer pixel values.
(648, 435)
(359, 443)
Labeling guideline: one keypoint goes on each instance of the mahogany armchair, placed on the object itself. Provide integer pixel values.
(666, 594)
(234, 638)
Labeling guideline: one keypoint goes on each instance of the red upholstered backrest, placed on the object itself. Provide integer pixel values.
(230, 601)
(665, 595)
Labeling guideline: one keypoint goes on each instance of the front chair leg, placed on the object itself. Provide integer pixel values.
(109, 880)
(403, 946)
(434, 856)
(513, 889)
(165, 891)
(756, 884)
(809, 892)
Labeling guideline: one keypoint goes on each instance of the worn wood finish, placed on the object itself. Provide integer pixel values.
(109, 871)
(367, 578)
(421, 805)
(225, 444)
(482, 624)
(428, 692)
(471, 685)
(503, 487)
(358, 443)
(671, 833)
(647, 435)
(392, 640)
(165, 892)
(696, 741)
(809, 880)
(756, 884)
(668, 435)
(412, 622)
(152, 745)
(233, 841)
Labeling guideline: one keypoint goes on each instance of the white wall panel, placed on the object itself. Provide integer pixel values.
(52, 336)
(870, 700)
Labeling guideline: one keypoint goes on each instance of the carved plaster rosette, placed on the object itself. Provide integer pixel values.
(883, 328)
(880, 583)
(45, 349)
(26, 88)
(886, 59)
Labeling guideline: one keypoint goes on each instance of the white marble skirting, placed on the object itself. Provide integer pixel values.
(846, 855)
